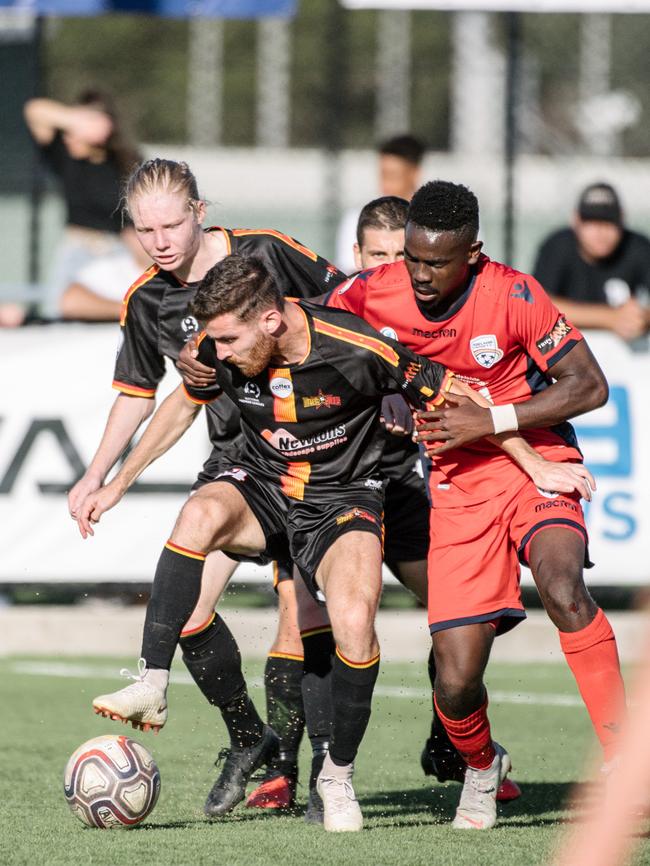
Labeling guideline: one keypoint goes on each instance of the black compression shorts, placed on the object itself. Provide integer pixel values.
(406, 513)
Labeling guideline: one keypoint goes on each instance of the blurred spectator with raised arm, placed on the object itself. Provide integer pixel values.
(597, 270)
(85, 147)
(400, 160)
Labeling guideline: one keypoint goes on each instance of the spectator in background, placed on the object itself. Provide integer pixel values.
(597, 270)
(85, 147)
(400, 159)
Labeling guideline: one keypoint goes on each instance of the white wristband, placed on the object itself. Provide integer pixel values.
(504, 418)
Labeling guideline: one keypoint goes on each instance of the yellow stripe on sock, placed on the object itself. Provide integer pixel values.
(289, 656)
(357, 665)
(312, 631)
(190, 631)
(185, 551)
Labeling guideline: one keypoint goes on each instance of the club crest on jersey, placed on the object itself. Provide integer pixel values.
(486, 350)
(190, 326)
(389, 332)
(281, 387)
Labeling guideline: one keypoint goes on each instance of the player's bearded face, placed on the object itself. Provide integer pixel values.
(438, 264)
(245, 345)
(257, 357)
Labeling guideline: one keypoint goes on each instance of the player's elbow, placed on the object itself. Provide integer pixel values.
(597, 389)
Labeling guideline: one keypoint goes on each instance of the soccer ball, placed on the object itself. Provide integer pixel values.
(111, 781)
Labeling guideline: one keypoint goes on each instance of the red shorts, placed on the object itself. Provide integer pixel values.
(475, 553)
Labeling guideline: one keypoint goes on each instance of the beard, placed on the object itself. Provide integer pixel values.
(258, 358)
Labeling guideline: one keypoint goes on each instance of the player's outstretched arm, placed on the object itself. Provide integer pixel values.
(580, 386)
(545, 474)
(174, 416)
(126, 415)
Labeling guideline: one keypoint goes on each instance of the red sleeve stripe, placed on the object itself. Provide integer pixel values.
(133, 390)
(373, 344)
(240, 233)
(146, 276)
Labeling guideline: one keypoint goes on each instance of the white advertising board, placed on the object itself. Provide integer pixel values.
(563, 6)
(56, 395)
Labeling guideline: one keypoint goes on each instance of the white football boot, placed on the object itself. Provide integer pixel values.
(143, 703)
(341, 807)
(477, 809)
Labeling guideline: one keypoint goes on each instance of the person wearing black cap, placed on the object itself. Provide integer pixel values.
(598, 270)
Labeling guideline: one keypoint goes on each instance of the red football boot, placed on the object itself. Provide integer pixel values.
(276, 792)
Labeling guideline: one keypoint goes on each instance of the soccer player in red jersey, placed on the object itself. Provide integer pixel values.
(498, 330)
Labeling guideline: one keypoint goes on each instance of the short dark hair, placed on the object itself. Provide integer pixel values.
(388, 213)
(406, 147)
(239, 285)
(445, 207)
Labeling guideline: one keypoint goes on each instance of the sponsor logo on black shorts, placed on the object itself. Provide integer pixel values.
(236, 473)
(556, 503)
(434, 335)
(353, 515)
(554, 337)
(326, 400)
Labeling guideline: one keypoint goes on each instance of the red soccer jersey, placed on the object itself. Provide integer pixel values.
(502, 338)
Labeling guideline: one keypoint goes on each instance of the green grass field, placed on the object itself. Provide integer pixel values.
(45, 714)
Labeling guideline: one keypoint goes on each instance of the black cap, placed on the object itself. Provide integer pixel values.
(599, 201)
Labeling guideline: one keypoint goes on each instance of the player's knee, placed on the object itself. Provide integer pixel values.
(203, 516)
(355, 621)
(563, 592)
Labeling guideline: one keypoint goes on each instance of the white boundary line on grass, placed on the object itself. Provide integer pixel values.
(83, 671)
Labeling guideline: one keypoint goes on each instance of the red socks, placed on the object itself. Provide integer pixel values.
(471, 736)
(593, 658)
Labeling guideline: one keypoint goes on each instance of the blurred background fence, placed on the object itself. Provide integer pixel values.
(279, 116)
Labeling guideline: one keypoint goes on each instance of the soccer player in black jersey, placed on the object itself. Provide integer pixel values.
(163, 200)
(309, 383)
(303, 482)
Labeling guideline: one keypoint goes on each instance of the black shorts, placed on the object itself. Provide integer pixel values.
(211, 468)
(406, 512)
(303, 531)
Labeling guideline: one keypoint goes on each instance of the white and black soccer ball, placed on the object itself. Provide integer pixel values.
(111, 781)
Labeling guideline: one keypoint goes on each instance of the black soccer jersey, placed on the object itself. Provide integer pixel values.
(155, 323)
(317, 422)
